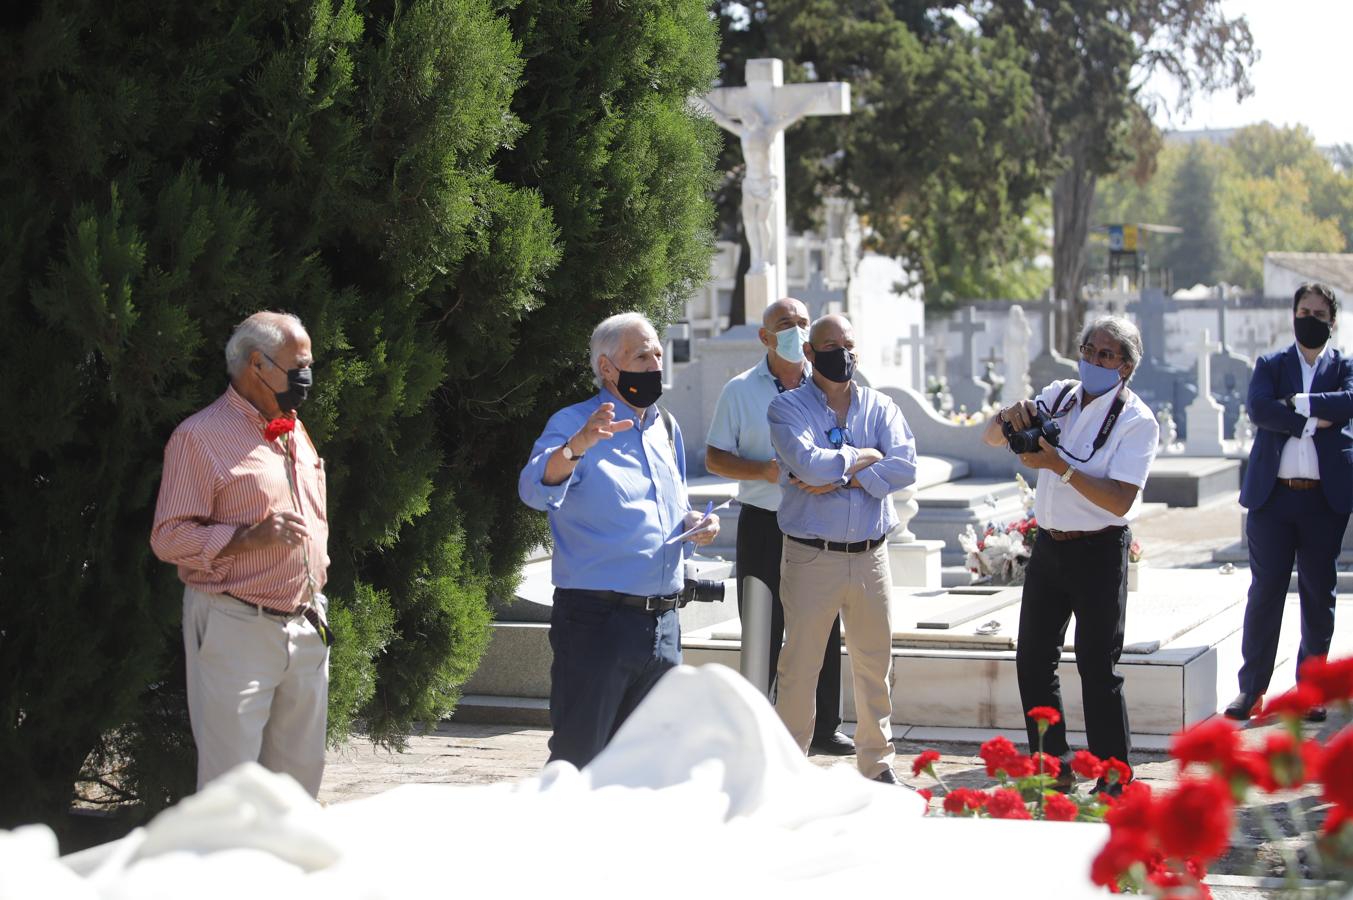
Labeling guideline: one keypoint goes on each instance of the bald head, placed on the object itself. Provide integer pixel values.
(784, 313)
(832, 331)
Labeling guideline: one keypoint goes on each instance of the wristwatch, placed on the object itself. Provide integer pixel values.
(569, 454)
(1066, 476)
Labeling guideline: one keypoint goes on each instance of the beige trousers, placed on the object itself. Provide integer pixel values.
(814, 586)
(258, 689)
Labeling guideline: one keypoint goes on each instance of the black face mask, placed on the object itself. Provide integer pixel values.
(1312, 333)
(835, 365)
(299, 383)
(640, 389)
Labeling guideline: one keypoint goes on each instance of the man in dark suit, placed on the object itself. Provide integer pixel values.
(1299, 490)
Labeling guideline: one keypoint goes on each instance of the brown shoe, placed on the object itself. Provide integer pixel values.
(1245, 706)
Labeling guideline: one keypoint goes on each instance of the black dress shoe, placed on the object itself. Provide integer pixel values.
(1114, 790)
(834, 744)
(1065, 781)
(1316, 714)
(887, 776)
(1244, 706)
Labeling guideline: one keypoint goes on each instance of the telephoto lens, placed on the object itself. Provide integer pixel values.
(701, 590)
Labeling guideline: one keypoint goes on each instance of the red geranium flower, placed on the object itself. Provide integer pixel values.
(1194, 820)
(1006, 803)
(1045, 716)
(1295, 703)
(1086, 764)
(959, 800)
(278, 427)
(1213, 742)
(924, 762)
(1060, 808)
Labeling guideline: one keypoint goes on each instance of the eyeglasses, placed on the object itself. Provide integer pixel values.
(839, 436)
(1106, 358)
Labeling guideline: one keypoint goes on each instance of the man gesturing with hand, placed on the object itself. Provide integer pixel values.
(611, 474)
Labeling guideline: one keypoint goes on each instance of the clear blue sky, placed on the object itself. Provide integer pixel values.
(1302, 73)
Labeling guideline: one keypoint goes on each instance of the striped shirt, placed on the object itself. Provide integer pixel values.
(220, 473)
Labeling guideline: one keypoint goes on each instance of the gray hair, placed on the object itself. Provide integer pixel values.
(608, 336)
(265, 332)
(1122, 330)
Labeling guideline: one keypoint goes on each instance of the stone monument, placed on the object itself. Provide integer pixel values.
(758, 114)
(1204, 415)
(1017, 335)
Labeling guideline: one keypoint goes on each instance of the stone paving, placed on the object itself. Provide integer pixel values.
(463, 753)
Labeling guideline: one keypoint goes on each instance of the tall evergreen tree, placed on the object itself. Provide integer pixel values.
(1196, 254)
(380, 169)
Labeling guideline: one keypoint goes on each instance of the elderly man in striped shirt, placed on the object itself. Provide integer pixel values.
(241, 513)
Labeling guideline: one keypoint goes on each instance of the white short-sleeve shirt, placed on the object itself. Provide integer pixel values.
(1126, 456)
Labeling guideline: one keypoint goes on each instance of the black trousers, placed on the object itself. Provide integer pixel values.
(759, 547)
(1088, 577)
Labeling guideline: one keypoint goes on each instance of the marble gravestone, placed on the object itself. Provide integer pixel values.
(1017, 335)
(968, 391)
(1204, 415)
(759, 114)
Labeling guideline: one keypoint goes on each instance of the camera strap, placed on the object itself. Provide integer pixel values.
(1110, 419)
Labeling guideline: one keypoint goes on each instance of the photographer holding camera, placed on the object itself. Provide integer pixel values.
(1092, 443)
(611, 474)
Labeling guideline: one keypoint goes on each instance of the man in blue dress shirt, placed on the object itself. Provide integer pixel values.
(613, 481)
(843, 449)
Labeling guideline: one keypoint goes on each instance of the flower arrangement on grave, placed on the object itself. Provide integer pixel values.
(1026, 785)
(1161, 843)
(1000, 554)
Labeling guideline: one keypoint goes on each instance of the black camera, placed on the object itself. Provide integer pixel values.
(1026, 440)
(700, 590)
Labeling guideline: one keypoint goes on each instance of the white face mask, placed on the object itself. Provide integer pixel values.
(789, 343)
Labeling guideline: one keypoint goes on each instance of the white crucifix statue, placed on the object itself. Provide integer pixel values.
(758, 114)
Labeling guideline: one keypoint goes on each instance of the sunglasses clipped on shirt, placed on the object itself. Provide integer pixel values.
(840, 436)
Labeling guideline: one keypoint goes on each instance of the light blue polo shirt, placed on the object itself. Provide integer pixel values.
(739, 427)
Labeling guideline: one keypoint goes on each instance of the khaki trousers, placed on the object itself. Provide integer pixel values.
(258, 689)
(814, 586)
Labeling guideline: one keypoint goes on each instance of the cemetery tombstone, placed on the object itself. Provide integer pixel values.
(968, 392)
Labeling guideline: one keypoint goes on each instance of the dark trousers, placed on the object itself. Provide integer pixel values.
(1086, 577)
(759, 545)
(1291, 525)
(607, 657)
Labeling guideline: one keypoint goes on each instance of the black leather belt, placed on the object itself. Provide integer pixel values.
(653, 604)
(266, 610)
(857, 547)
(1077, 535)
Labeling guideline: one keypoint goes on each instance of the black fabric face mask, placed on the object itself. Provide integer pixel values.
(299, 383)
(835, 365)
(640, 389)
(1312, 333)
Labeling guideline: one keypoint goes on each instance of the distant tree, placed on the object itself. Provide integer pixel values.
(1197, 255)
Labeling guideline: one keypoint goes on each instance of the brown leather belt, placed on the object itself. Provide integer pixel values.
(1300, 484)
(1077, 535)
(266, 610)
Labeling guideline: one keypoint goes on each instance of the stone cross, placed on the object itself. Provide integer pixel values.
(968, 327)
(1017, 334)
(1150, 311)
(1204, 415)
(914, 345)
(818, 297)
(758, 114)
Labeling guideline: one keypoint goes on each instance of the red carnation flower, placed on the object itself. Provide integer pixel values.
(1132, 810)
(1337, 818)
(1006, 803)
(1086, 764)
(1123, 850)
(1050, 765)
(1194, 820)
(1045, 716)
(1213, 742)
(1060, 808)
(924, 762)
(1249, 767)
(278, 427)
(1336, 769)
(959, 800)
(1334, 680)
(1116, 771)
(1295, 703)
(996, 751)
(926, 795)
(1283, 756)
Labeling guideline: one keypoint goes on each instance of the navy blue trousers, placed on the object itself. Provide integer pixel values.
(607, 657)
(1291, 526)
(1087, 577)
